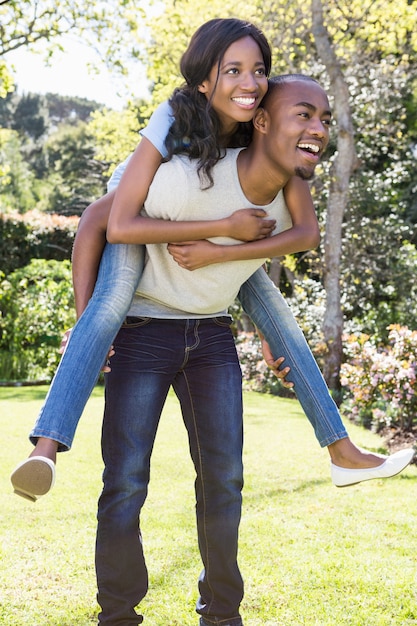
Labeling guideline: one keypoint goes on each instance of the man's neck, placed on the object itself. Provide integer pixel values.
(260, 181)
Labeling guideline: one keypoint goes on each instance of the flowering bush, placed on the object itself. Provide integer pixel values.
(382, 381)
(308, 304)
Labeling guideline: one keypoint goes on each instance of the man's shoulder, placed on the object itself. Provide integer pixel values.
(181, 169)
(185, 162)
(179, 162)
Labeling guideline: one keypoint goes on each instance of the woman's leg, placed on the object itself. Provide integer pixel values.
(89, 343)
(264, 304)
(84, 356)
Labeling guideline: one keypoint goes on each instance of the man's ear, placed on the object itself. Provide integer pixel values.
(260, 120)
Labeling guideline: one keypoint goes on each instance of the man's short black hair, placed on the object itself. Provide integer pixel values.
(276, 82)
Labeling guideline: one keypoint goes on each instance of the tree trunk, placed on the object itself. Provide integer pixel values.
(275, 270)
(342, 169)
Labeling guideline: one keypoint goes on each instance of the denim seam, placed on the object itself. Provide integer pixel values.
(200, 463)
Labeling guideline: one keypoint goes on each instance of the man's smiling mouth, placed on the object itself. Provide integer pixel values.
(312, 148)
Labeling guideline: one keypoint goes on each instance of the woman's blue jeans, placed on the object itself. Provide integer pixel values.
(120, 269)
(198, 358)
(89, 343)
(266, 307)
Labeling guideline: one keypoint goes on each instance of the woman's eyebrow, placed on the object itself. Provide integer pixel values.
(258, 63)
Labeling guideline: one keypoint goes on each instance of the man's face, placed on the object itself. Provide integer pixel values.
(298, 133)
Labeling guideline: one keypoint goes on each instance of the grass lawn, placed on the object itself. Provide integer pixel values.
(311, 554)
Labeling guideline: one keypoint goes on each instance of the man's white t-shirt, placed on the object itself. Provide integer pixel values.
(176, 194)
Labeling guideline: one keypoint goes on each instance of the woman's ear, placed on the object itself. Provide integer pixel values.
(260, 120)
(203, 88)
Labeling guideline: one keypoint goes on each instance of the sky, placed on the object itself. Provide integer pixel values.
(68, 75)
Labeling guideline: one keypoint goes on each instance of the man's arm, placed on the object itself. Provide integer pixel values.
(275, 364)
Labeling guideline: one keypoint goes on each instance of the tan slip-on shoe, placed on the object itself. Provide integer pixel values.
(33, 477)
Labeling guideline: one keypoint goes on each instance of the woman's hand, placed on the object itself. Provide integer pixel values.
(249, 225)
(192, 255)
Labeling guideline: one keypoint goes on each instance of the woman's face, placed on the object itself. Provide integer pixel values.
(236, 88)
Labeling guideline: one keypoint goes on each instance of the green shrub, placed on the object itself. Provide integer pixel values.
(34, 235)
(36, 306)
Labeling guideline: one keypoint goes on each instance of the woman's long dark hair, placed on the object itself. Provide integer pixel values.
(196, 129)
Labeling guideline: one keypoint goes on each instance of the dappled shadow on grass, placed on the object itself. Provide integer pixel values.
(78, 619)
(252, 495)
(407, 477)
(70, 621)
(22, 394)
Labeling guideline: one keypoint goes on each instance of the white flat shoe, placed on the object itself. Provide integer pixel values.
(33, 477)
(394, 464)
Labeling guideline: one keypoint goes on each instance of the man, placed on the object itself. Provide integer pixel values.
(162, 344)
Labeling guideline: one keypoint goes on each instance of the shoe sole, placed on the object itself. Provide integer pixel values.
(375, 478)
(33, 478)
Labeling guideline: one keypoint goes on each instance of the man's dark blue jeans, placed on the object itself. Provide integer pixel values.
(198, 358)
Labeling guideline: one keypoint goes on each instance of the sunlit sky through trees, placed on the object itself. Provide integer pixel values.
(68, 75)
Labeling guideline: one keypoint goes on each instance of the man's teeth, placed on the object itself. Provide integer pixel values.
(309, 146)
(244, 100)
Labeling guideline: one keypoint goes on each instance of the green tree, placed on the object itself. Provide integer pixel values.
(7, 108)
(115, 133)
(338, 54)
(75, 177)
(6, 80)
(69, 108)
(16, 178)
(30, 116)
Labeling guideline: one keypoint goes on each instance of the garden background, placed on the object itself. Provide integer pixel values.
(354, 296)
(311, 555)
